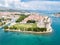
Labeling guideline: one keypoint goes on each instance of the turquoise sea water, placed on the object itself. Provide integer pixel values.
(17, 38)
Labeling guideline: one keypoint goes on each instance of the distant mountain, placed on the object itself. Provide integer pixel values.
(5, 9)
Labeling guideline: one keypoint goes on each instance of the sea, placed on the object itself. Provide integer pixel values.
(17, 38)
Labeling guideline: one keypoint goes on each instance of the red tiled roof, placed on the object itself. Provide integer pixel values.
(34, 17)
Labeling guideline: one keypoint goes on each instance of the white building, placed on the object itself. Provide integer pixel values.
(45, 23)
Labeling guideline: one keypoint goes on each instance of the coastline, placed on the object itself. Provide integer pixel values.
(32, 32)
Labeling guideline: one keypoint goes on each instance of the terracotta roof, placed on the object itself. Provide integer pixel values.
(34, 17)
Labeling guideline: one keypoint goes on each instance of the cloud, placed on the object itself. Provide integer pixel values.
(1, 5)
(38, 0)
(41, 5)
(31, 5)
(10, 3)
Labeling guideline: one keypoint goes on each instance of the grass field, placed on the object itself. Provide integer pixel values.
(26, 25)
(23, 26)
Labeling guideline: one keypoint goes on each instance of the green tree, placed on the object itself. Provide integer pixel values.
(22, 17)
(31, 21)
(5, 27)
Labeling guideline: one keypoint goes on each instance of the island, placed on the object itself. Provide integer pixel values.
(28, 23)
(57, 14)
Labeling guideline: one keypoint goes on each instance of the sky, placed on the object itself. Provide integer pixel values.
(46, 5)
